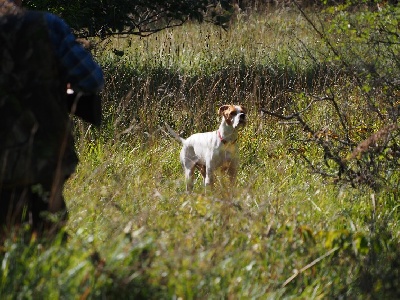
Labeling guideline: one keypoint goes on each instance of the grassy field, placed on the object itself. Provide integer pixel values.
(282, 233)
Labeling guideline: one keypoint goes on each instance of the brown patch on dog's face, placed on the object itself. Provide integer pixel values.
(234, 114)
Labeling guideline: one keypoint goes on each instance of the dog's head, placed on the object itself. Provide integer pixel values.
(235, 115)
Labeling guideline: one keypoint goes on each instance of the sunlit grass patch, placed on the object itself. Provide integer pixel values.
(281, 232)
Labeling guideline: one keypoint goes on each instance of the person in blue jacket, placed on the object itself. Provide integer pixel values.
(39, 59)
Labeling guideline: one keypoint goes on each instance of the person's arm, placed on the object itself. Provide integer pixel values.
(82, 72)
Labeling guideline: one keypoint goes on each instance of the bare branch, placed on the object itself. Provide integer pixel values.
(313, 263)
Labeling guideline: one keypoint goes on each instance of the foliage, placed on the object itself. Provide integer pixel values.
(282, 233)
(103, 18)
(359, 144)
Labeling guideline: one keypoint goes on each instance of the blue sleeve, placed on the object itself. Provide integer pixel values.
(83, 73)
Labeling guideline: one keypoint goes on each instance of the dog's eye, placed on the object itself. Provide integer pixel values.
(233, 113)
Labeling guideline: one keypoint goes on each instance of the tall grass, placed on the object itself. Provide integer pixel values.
(256, 60)
(283, 232)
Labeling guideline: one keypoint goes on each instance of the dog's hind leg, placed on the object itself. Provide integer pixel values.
(189, 176)
(209, 177)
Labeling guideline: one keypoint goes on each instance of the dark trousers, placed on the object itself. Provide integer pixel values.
(42, 208)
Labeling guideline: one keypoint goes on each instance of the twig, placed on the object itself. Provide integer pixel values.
(314, 262)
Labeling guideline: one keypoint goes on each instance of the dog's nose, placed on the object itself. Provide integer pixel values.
(242, 116)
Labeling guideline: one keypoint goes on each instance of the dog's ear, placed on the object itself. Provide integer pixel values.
(244, 110)
(222, 109)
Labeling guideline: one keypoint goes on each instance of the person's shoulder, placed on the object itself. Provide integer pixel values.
(51, 16)
(55, 21)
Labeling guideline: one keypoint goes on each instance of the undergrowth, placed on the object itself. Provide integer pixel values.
(282, 232)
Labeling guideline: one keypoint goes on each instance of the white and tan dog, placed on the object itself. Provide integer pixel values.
(209, 151)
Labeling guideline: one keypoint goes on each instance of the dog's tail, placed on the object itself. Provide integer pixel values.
(174, 134)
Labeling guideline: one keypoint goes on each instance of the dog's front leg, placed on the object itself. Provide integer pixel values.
(209, 176)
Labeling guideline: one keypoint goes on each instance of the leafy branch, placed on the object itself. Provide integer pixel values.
(92, 18)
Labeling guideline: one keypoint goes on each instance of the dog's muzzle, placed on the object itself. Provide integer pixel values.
(239, 120)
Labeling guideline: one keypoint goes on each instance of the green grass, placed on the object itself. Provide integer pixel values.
(282, 233)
